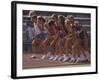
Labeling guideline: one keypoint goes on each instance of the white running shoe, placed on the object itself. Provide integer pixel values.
(33, 56)
(60, 58)
(43, 57)
(55, 58)
(51, 57)
(72, 59)
(65, 59)
(77, 60)
(46, 55)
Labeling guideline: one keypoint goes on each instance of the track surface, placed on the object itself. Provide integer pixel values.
(29, 62)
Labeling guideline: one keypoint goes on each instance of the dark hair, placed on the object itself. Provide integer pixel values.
(51, 22)
(70, 16)
(54, 16)
(41, 18)
(34, 17)
(61, 17)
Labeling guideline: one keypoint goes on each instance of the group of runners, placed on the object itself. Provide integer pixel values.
(60, 38)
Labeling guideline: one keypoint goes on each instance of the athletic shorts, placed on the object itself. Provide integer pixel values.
(41, 36)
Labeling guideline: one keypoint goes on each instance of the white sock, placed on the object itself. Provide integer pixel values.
(49, 53)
